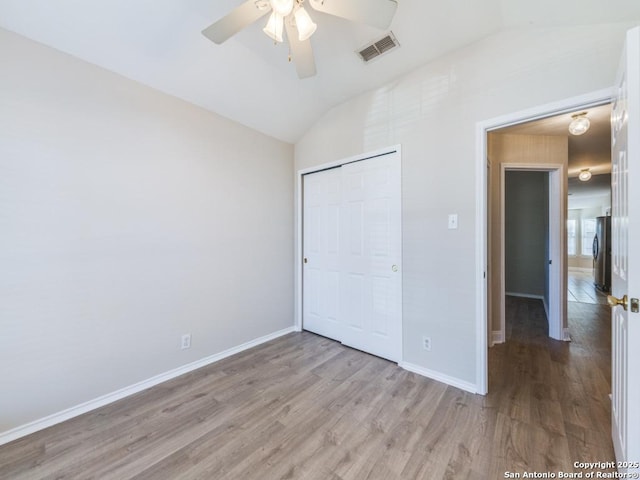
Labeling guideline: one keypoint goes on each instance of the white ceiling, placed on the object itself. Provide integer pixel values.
(248, 79)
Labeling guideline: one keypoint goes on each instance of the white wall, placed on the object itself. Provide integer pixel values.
(127, 219)
(577, 214)
(432, 113)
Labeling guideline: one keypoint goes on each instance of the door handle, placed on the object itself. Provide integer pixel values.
(613, 301)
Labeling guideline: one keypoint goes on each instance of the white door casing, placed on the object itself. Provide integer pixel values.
(625, 271)
(352, 280)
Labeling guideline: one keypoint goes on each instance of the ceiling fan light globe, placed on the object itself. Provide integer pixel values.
(306, 27)
(579, 125)
(274, 27)
(584, 175)
(282, 7)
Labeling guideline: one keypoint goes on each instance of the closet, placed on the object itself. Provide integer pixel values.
(352, 249)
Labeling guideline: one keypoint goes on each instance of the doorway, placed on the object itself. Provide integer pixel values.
(539, 272)
(527, 230)
(484, 247)
(587, 163)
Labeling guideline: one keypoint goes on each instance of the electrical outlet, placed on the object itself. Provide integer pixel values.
(426, 343)
(186, 341)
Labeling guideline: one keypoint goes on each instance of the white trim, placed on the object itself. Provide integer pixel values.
(354, 158)
(557, 310)
(482, 272)
(299, 220)
(482, 128)
(559, 107)
(580, 269)
(546, 307)
(439, 377)
(48, 421)
(565, 335)
(497, 336)
(297, 261)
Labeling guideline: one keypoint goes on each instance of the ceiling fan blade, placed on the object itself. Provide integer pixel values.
(377, 13)
(301, 52)
(240, 17)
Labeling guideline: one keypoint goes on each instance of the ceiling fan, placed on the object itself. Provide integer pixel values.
(290, 15)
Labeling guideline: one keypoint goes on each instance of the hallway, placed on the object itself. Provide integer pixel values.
(554, 406)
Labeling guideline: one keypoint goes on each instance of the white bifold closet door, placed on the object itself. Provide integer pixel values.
(352, 281)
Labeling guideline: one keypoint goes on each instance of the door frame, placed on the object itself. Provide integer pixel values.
(556, 313)
(483, 128)
(299, 237)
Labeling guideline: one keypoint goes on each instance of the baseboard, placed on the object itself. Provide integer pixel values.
(524, 295)
(497, 336)
(546, 307)
(565, 335)
(40, 424)
(440, 377)
(580, 269)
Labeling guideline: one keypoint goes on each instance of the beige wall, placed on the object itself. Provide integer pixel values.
(127, 218)
(516, 149)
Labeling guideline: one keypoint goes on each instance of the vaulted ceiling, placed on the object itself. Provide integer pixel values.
(249, 79)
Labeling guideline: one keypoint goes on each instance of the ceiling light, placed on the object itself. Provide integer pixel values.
(584, 174)
(274, 27)
(305, 25)
(376, 13)
(579, 125)
(282, 7)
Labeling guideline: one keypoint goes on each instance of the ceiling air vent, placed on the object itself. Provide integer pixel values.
(379, 47)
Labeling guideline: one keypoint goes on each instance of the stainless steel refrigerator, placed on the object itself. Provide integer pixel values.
(602, 254)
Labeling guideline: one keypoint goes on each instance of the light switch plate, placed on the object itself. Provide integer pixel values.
(453, 221)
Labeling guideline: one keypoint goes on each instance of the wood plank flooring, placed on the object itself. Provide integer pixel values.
(304, 407)
(580, 288)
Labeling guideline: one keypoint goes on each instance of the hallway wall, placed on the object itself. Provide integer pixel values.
(526, 233)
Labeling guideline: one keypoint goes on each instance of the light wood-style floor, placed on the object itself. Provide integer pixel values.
(304, 407)
(580, 288)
